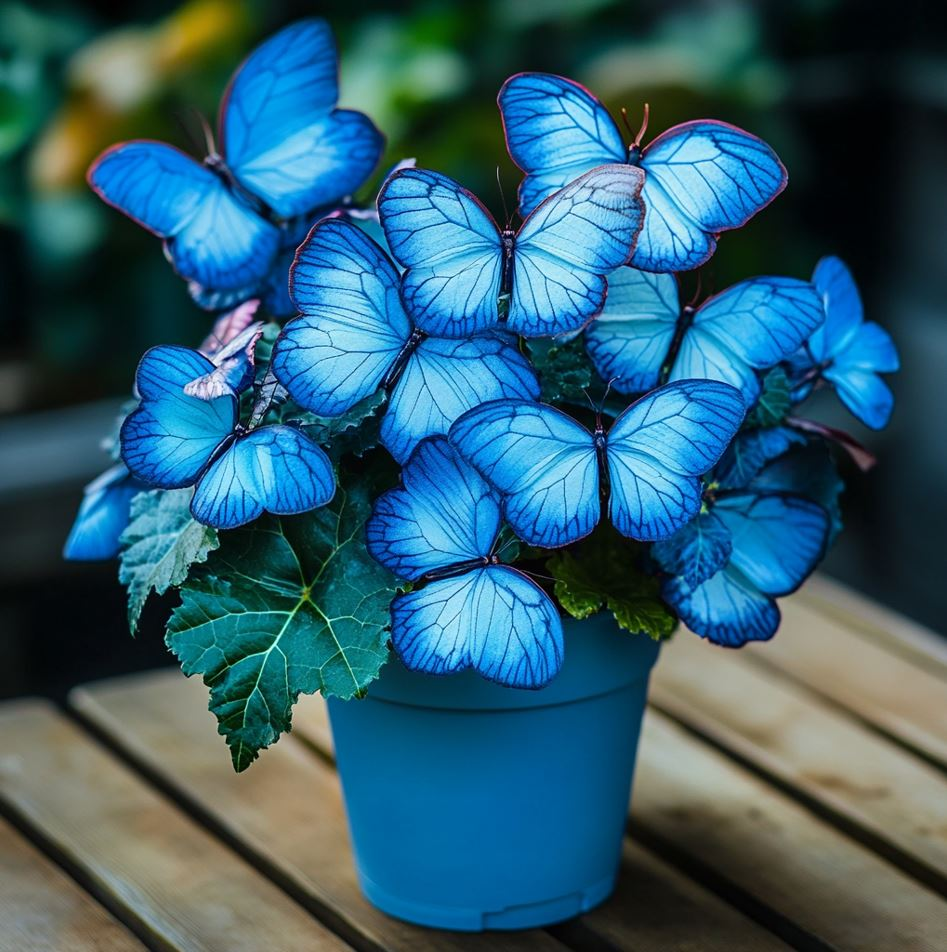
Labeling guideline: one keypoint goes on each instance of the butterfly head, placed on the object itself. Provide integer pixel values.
(635, 148)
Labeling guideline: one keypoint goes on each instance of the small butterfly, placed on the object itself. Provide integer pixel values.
(285, 153)
(847, 350)
(174, 440)
(550, 274)
(103, 516)
(554, 475)
(644, 337)
(439, 530)
(355, 336)
(750, 544)
(701, 178)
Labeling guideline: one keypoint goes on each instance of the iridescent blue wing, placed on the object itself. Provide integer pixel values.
(442, 514)
(102, 517)
(556, 130)
(660, 446)
(630, 339)
(750, 451)
(754, 325)
(778, 538)
(865, 394)
(446, 377)
(449, 245)
(542, 463)
(280, 132)
(494, 620)
(697, 551)
(212, 237)
(352, 324)
(844, 311)
(169, 439)
(727, 609)
(273, 469)
(568, 245)
(703, 178)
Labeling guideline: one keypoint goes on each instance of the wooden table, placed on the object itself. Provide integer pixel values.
(792, 795)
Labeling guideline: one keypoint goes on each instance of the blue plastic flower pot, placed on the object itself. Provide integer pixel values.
(474, 806)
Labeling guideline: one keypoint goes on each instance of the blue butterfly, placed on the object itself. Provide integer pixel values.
(847, 351)
(750, 544)
(439, 530)
(285, 152)
(702, 178)
(103, 516)
(644, 337)
(550, 274)
(554, 475)
(173, 440)
(355, 336)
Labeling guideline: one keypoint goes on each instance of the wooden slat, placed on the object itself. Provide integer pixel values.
(285, 811)
(723, 823)
(876, 622)
(173, 882)
(43, 910)
(895, 802)
(894, 695)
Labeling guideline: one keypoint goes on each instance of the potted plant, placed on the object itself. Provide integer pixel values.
(480, 473)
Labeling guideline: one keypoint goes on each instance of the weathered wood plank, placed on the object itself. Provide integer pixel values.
(716, 817)
(180, 887)
(877, 622)
(898, 697)
(285, 812)
(43, 910)
(895, 802)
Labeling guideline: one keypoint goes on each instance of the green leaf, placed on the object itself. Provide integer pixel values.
(604, 572)
(285, 606)
(159, 546)
(565, 372)
(355, 432)
(774, 402)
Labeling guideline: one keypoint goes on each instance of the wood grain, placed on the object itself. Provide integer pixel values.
(286, 811)
(175, 883)
(43, 910)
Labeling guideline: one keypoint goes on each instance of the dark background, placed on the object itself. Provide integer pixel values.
(853, 96)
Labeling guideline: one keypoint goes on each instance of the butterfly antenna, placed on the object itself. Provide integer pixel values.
(506, 211)
(182, 120)
(698, 289)
(626, 122)
(644, 125)
(209, 143)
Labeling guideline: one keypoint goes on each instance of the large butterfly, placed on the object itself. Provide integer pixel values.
(553, 474)
(439, 530)
(103, 516)
(643, 336)
(550, 274)
(174, 439)
(748, 546)
(847, 350)
(702, 178)
(355, 336)
(285, 152)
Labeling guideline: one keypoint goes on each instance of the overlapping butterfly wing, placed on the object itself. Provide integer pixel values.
(103, 516)
(492, 618)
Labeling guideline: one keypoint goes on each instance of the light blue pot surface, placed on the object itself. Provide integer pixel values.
(474, 806)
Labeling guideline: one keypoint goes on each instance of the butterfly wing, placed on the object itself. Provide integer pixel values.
(442, 514)
(697, 551)
(102, 517)
(556, 130)
(281, 134)
(844, 311)
(494, 620)
(446, 377)
(542, 463)
(754, 325)
(212, 237)
(703, 178)
(630, 339)
(449, 245)
(352, 324)
(273, 469)
(751, 450)
(726, 609)
(660, 446)
(568, 245)
(168, 440)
